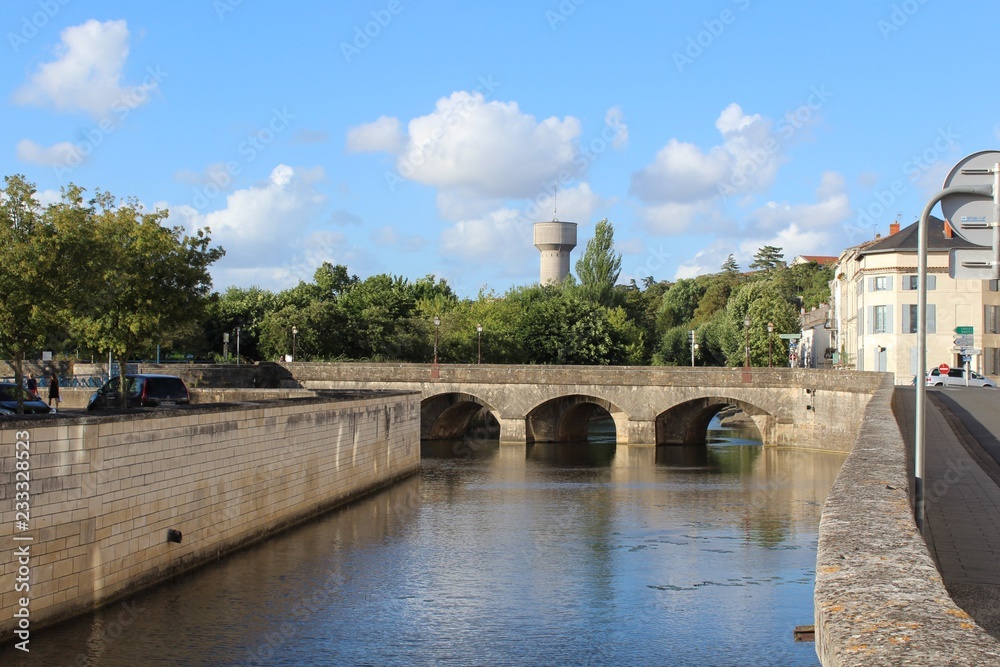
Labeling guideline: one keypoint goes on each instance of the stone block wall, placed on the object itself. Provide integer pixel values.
(103, 491)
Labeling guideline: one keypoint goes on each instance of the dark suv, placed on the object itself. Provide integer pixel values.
(146, 391)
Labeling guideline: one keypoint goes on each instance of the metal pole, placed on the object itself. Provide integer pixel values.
(692, 348)
(479, 332)
(996, 221)
(237, 346)
(746, 328)
(437, 325)
(919, 433)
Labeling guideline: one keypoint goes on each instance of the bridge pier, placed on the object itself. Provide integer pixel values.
(512, 430)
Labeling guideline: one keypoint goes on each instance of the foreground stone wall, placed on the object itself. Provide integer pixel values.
(103, 491)
(879, 598)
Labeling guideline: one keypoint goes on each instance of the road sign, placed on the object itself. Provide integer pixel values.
(790, 336)
(944, 369)
(971, 351)
(964, 330)
(971, 215)
(970, 263)
(964, 341)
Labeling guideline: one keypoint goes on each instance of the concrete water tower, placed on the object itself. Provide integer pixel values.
(555, 240)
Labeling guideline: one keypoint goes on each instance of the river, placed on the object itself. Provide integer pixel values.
(570, 554)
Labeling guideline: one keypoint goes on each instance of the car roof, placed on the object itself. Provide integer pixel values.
(150, 375)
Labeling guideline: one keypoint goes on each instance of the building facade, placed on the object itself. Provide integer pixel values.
(874, 294)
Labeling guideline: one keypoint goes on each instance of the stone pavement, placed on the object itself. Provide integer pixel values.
(962, 492)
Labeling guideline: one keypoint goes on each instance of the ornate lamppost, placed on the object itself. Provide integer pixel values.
(437, 325)
(479, 333)
(746, 328)
(770, 342)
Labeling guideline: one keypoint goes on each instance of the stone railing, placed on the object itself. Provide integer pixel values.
(879, 597)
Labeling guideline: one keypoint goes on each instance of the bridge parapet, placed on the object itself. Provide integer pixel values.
(813, 409)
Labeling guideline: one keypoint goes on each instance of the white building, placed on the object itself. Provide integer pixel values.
(875, 305)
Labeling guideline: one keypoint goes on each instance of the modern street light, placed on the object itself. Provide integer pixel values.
(770, 342)
(479, 332)
(295, 332)
(437, 325)
(746, 328)
(237, 346)
(694, 346)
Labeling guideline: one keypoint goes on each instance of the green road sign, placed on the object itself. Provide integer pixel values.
(965, 331)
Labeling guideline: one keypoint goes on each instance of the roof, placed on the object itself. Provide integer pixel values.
(905, 240)
(822, 260)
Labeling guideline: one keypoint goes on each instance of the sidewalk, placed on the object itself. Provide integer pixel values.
(962, 493)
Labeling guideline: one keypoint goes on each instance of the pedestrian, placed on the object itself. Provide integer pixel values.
(32, 385)
(54, 392)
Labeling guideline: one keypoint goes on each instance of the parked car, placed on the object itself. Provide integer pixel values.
(146, 391)
(956, 377)
(8, 400)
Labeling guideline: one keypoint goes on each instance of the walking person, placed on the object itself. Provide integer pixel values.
(32, 385)
(54, 392)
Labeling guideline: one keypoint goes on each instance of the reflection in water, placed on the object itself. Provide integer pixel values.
(506, 555)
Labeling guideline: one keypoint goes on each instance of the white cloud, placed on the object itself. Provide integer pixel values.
(478, 148)
(86, 74)
(673, 218)
(383, 135)
(63, 153)
(682, 172)
(267, 230)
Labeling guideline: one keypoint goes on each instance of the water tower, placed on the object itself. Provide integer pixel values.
(555, 240)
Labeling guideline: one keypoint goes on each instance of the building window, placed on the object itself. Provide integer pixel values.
(880, 284)
(910, 282)
(991, 359)
(992, 319)
(910, 318)
(994, 286)
(881, 322)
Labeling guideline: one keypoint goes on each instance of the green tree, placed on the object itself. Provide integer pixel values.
(761, 303)
(154, 279)
(599, 267)
(243, 307)
(32, 298)
(680, 303)
(767, 259)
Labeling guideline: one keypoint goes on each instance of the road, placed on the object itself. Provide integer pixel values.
(962, 493)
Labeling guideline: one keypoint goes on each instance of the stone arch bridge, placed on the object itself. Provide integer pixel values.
(814, 409)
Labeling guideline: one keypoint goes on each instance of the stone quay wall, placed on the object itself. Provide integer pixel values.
(101, 492)
(879, 599)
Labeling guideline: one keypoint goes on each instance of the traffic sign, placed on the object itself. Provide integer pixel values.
(944, 369)
(963, 341)
(790, 336)
(964, 330)
(970, 264)
(971, 215)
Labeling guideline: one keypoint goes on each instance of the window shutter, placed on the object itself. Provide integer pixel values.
(871, 284)
(888, 283)
(906, 319)
(931, 282)
(906, 283)
(888, 319)
(931, 319)
(870, 315)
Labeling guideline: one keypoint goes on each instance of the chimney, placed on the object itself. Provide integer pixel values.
(893, 228)
(948, 233)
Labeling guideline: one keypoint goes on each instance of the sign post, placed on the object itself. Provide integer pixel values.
(971, 198)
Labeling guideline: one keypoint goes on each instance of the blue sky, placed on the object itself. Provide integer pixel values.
(416, 137)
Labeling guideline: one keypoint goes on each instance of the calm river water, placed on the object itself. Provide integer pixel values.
(582, 554)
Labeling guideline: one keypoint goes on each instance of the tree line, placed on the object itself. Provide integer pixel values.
(91, 276)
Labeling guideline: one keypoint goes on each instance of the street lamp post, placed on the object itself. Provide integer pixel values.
(437, 325)
(237, 346)
(295, 332)
(770, 342)
(479, 333)
(746, 328)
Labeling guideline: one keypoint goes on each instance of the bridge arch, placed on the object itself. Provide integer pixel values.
(567, 418)
(448, 415)
(687, 423)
